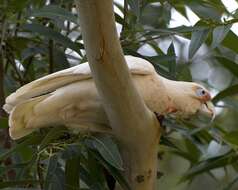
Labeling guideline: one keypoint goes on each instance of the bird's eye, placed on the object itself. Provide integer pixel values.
(201, 92)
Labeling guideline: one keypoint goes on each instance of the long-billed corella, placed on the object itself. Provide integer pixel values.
(70, 98)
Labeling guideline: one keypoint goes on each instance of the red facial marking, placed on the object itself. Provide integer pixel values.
(171, 110)
(206, 97)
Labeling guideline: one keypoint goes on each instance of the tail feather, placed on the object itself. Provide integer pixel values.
(21, 115)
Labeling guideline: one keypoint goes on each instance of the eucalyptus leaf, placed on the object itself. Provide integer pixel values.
(72, 168)
(113, 171)
(108, 150)
(54, 12)
(230, 91)
(54, 35)
(198, 38)
(219, 34)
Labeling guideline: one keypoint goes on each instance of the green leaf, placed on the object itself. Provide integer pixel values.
(108, 150)
(54, 35)
(72, 168)
(231, 137)
(228, 64)
(207, 165)
(52, 166)
(54, 12)
(184, 73)
(219, 34)
(232, 90)
(206, 11)
(17, 5)
(113, 171)
(198, 37)
(60, 60)
(135, 7)
(231, 41)
(172, 63)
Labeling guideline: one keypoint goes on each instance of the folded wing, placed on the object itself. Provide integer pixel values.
(67, 97)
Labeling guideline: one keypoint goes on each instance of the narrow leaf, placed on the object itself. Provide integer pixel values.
(219, 34)
(72, 173)
(108, 150)
(54, 12)
(232, 137)
(198, 37)
(232, 90)
(52, 166)
(172, 63)
(207, 165)
(113, 171)
(228, 64)
(54, 35)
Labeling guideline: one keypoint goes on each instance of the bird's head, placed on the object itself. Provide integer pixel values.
(189, 98)
(203, 96)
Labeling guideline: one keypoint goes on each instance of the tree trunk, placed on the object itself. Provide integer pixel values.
(135, 126)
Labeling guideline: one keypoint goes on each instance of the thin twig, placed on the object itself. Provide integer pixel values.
(125, 13)
(40, 174)
(17, 24)
(51, 56)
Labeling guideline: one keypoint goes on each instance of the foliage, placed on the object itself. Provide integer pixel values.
(39, 37)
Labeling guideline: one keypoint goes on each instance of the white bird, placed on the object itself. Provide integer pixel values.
(70, 98)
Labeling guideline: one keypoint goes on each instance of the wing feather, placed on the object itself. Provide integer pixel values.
(65, 77)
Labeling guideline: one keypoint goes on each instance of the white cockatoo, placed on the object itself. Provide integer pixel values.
(70, 98)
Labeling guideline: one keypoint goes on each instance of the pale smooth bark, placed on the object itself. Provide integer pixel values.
(135, 126)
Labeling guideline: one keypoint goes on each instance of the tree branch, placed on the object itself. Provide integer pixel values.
(133, 123)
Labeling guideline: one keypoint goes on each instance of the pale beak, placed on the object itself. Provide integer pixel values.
(208, 110)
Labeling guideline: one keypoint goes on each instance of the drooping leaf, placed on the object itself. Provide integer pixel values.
(232, 90)
(204, 10)
(207, 165)
(135, 7)
(108, 149)
(72, 168)
(230, 41)
(218, 35)
(198, 38)
(231, 137)
(228, 64)
(54, 12)
(54, 35)
(113, 171)
(172, 63)
(51, 170)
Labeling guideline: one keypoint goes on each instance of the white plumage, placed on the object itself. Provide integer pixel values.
(69, 97)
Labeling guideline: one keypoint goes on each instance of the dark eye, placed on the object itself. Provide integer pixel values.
(201, 92)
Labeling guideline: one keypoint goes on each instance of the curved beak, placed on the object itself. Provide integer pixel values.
(208, 110)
